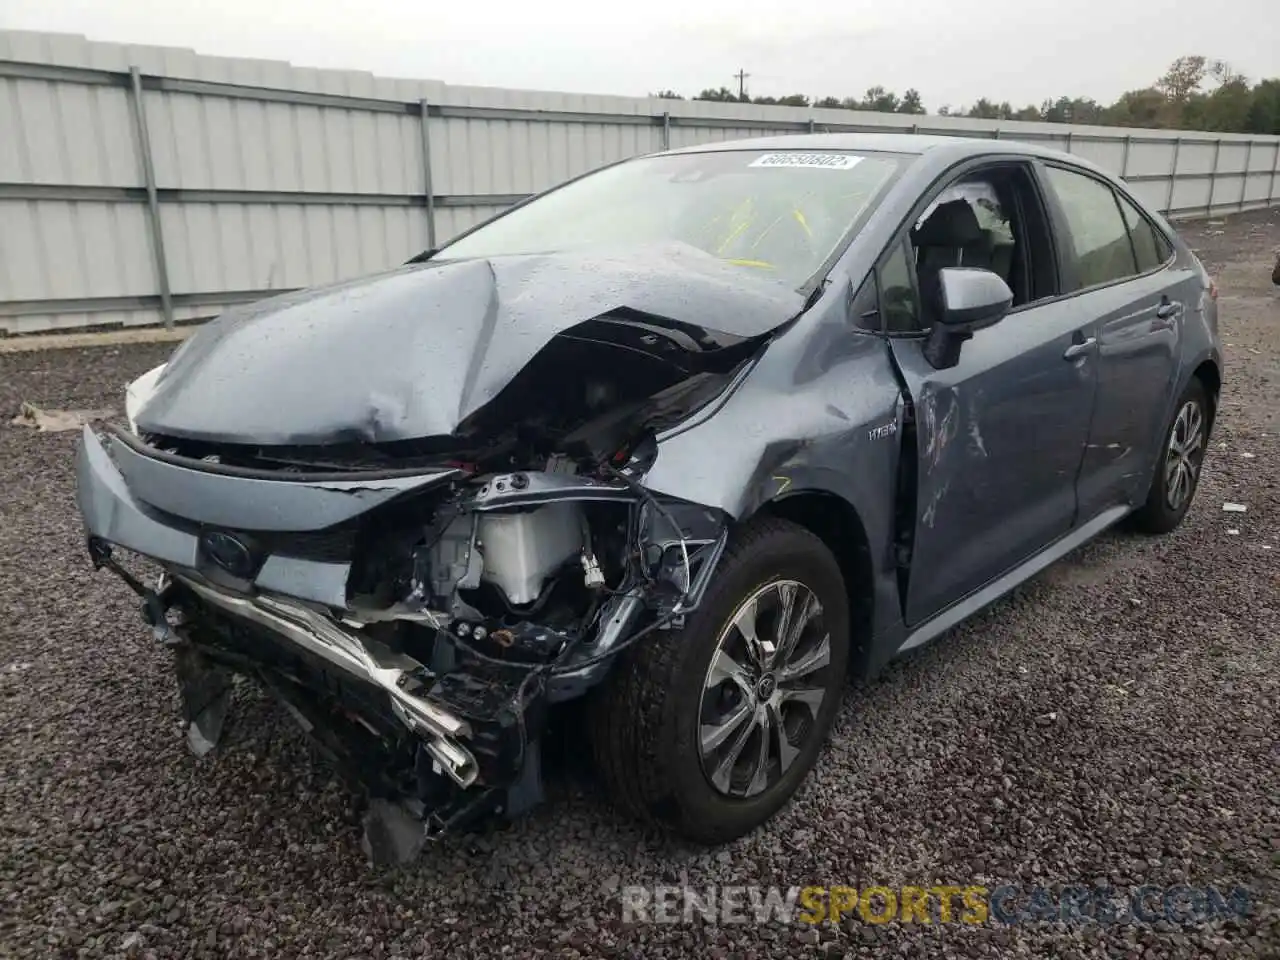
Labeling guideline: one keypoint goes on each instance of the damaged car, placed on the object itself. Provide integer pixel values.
(696, 437)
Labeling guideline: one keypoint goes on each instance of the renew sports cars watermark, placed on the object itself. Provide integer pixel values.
(1181, 905)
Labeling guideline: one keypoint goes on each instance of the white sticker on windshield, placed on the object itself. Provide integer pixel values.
(822, 161)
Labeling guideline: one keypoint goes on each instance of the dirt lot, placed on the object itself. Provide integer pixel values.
(1117, 721)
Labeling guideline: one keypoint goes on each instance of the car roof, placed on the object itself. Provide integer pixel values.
(912, 144)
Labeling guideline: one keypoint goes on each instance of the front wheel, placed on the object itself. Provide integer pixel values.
(709, 730)
(1178, 472)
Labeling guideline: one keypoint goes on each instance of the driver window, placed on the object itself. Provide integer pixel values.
(994, 220)
(966, 226)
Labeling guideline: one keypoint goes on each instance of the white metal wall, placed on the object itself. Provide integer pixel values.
(241, 177)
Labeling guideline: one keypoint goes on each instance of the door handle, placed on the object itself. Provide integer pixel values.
(1079, 349)
(1167, 309)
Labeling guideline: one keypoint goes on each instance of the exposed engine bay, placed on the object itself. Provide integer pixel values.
(515, 595)
(465, 584)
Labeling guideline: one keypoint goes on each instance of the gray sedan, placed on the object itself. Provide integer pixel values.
(695, 437)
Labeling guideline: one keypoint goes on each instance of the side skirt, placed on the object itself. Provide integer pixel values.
(963, 609)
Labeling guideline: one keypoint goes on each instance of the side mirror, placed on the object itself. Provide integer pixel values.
(969, 299)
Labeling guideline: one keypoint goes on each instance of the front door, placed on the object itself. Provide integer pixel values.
(1000, 436)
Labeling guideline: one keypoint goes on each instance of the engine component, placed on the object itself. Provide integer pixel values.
(592, 575)
(454, 560)
(521, 550)
(592, 572)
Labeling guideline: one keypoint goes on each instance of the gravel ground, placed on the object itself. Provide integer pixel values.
(1114, 721)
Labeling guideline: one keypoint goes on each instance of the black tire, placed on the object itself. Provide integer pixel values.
(645, 718)
(1159, 514)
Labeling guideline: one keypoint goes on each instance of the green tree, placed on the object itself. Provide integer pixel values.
(1072, 110)
(1148, 108)
(911, 102)
(1228, 107)
(722, 95)
(879, 99)
(1264, 108)
(1183, 78)
(1176, 100)
(791, 100)
(667, 95)
(984, 109)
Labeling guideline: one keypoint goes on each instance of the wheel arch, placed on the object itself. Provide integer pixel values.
(1203, 367)
(1210, 376)
(836, 522)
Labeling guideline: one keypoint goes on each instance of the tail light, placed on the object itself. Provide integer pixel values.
(1213, 289)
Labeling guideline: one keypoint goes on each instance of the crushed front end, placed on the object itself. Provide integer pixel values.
(418, 614)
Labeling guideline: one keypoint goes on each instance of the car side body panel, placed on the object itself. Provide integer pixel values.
(1137, 326)
(793, 445)
(820, 412)
(1000, 439)
(1136, 360)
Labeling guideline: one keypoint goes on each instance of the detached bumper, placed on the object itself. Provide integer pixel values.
(110, 477)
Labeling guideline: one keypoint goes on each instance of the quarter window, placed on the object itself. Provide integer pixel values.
(897, 293)
(1147, 245)
(1099, 234)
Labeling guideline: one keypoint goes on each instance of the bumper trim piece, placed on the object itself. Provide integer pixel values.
(212, 494)
(111, 512)
(365, 659)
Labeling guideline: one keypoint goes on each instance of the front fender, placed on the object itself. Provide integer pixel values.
(822, 412)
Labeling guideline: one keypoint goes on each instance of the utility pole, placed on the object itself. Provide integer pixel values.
(742, 83)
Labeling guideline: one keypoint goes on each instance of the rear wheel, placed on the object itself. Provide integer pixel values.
(710, 729)
(1178, 474)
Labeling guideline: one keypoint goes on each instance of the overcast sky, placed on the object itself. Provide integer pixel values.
(1017, 50)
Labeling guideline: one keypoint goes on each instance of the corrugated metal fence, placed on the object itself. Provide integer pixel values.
(149, 184)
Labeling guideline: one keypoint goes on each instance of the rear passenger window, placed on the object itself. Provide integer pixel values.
(1147, 245)
(1099, 234)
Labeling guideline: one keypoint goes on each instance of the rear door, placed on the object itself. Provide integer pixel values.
(1119, 268)
(1000, 436)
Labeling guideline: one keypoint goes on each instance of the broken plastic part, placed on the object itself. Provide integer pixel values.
(393, 834)
(364, 658)
(205, 689)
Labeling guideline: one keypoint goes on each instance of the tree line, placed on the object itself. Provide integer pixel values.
(1195, 93)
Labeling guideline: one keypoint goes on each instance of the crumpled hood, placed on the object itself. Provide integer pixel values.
(412, 352)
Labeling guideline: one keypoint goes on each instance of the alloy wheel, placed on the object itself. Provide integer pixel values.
(1182, 460)
(767, 681)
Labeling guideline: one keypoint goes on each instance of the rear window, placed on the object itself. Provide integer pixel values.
(1098, 231)
(780, 213)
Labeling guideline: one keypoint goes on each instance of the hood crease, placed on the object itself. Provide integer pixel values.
(413, 352)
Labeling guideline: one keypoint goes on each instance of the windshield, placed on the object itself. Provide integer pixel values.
(780, 213)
